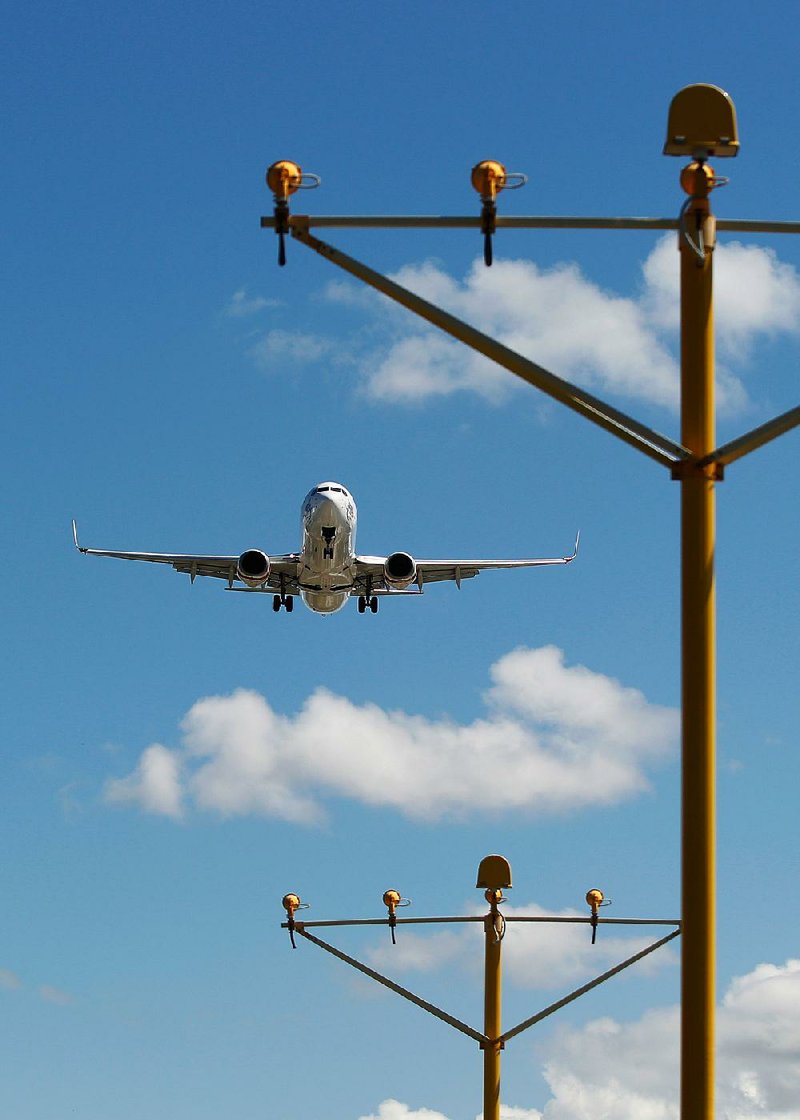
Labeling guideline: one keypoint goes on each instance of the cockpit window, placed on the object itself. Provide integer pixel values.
(325, 489)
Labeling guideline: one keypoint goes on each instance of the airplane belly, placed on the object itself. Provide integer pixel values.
(327, 558)
(324, 602)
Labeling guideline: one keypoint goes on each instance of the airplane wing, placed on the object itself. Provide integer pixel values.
(282, 568)
(371, 570)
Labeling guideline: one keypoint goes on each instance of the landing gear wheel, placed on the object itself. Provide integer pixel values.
(362, 604)
(373, 604)
(276, 603)
(289, 604)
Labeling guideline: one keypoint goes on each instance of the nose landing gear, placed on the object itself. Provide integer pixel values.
(328, 533)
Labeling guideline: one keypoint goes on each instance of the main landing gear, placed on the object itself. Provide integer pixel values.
(368, 601)
(279, 601)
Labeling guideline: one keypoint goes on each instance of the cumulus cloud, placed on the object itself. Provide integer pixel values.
(536, 955)
(629, 1071)
(554, 738)
(555, 316)
(154, 785)
(754, 292)
(625, 346)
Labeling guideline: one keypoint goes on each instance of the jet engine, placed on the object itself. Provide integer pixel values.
(253, 567)
(399, 570)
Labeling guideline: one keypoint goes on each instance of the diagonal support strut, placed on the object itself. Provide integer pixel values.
(537, 1018)
(404, 992)
(625, 427)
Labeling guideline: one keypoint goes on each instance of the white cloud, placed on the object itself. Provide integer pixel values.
(394, 1110)
(428, 364)
(557, 317)
(754, 292)
(154, 784)
(629, 1071)
(244, 750)
(619, 345)
(281, 347)
(555, 738)
(416, 953)
(240, 305)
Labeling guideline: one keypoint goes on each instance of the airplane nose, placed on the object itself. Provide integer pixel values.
(323, 508)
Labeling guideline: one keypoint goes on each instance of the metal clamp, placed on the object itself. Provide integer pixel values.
(392, 899)
(291, 903)
(489, 177)
(284, 178)
(595, 898)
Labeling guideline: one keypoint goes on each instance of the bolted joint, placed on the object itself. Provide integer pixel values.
(494, 896)
(695, 468)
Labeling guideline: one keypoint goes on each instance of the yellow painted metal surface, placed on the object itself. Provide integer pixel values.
(494, 872)
(492, 1028)
(594, 898)
(284, 177)
(702, 121)
(698, 972)
(488, 177)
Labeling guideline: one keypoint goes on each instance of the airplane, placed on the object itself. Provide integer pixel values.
(327, 570)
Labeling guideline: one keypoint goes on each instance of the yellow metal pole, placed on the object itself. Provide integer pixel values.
(698, 653)
(493, 928)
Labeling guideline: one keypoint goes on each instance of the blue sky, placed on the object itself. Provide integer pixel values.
(170, 387)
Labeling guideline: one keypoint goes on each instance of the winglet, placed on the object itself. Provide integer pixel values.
(75, 536)
(577, 543)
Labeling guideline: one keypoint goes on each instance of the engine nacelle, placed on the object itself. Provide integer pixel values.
(253, 567)
(399, 570)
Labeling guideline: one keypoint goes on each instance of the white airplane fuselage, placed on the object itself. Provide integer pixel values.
(328, 523)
